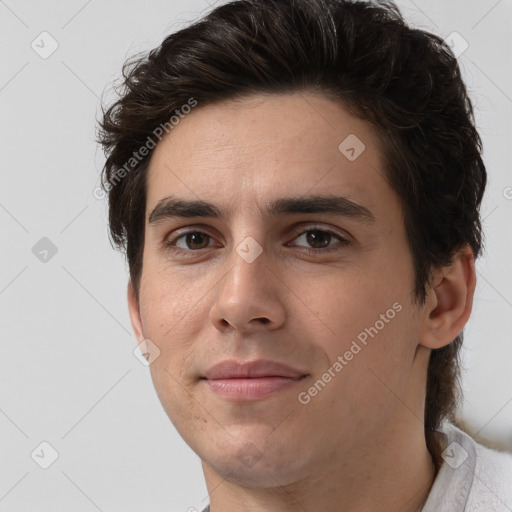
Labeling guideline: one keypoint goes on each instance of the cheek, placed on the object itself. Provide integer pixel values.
(167, 299)
(367, 324)
(170, 320)
(171, 316)
(347, 305)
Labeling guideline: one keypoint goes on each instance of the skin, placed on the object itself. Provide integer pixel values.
(359, 444)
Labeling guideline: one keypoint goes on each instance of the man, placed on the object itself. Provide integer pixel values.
(297, 187)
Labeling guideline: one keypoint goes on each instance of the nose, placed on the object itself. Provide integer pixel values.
(250, 296)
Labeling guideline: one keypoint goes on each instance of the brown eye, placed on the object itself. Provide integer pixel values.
(194, 240)
(318, 239)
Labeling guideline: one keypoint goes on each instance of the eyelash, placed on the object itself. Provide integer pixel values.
(343, 242)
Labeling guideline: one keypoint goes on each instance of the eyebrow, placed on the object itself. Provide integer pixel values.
(172, 207)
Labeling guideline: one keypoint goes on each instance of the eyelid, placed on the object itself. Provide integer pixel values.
(315, 227)
(344, 240)
(181, 232)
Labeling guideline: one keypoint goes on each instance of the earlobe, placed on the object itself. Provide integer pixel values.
(134, 310)
(449, 301)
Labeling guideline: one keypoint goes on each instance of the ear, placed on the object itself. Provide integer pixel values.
(449, 301)
(133, 307)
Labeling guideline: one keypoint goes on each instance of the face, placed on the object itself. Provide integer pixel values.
(299, 258)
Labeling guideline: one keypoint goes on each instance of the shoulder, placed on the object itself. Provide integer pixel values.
(492, 484)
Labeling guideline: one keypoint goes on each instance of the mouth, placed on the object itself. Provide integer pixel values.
(251, 388)
(243, 381)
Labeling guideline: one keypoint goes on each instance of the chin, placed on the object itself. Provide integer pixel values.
(258, 464)
(263, 473)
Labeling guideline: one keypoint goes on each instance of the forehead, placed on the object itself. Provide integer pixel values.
(253, 150)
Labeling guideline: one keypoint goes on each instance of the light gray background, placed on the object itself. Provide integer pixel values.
(68, 375)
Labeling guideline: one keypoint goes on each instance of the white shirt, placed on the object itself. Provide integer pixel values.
(472, 478)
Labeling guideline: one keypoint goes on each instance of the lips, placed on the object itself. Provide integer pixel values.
(239, 381)
(231, 369)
